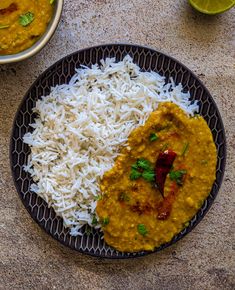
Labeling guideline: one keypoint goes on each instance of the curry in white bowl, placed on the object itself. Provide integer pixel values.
(22, 23)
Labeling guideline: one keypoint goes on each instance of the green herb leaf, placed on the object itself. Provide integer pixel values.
(98, 197)
(105, 221)
(4, 26)
(135, 174)
(52, 1)
(26, 19)
(94, 221)
(135, 166)
(148, 175)
(144, 164)
(142, 229)
(142, 168)
(185, 149)
(178, 176)
(153, 137)
(123, 197)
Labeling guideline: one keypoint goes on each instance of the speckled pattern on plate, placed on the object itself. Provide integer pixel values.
(61, 72)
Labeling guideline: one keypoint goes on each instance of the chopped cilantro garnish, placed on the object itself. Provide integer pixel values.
(148, 175)
(142, 168)
(142, 229)
(144, 164)
(178, 176)
(134, 166)
(94, 221)
(105, 221)
(153, 137)
(98, 197)
(26, 18)
(135, 174)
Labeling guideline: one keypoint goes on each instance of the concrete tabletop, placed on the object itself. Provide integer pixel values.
(205, 259)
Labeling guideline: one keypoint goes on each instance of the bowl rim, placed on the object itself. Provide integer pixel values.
(42, 41)
(178, 236)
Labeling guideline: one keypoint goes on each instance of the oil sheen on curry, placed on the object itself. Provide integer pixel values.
(22, 23)
(158, 182)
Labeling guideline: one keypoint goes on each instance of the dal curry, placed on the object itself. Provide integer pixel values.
(22, 23)
(144, 205)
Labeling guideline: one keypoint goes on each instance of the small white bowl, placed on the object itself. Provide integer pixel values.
(42, 41)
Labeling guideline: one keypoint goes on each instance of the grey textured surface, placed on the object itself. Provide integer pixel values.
(29, 258)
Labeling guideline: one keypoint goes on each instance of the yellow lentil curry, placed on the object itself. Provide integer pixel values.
(140, 208)
(22, 23)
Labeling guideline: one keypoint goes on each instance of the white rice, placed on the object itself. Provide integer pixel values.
(80, 127)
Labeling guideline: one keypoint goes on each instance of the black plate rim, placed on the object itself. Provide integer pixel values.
(189, 228)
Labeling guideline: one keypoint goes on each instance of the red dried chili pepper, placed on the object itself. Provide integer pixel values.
(163, 166)
(12, 8)
(164, 210)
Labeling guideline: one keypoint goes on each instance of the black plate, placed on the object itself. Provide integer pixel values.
(61, 72)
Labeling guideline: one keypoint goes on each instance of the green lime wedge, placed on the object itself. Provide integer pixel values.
(212, 6)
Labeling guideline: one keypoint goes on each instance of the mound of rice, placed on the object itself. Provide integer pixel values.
(80, 128)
